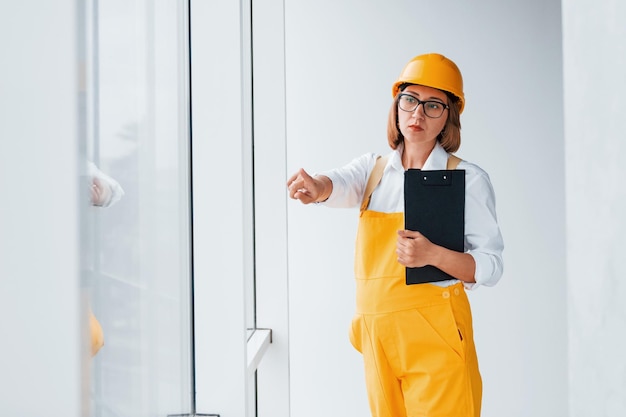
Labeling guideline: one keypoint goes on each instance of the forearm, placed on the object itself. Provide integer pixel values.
(348, 182)
(459, 265)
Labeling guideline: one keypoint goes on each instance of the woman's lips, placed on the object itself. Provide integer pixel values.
(416, 128)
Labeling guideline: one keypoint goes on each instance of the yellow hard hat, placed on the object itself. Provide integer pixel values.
(433, 70)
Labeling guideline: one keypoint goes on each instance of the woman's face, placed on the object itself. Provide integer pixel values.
(416, 126)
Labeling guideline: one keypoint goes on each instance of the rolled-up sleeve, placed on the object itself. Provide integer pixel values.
(349, 181)
(483, 239)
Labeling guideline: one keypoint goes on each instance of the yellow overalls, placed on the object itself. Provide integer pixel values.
(416, 340)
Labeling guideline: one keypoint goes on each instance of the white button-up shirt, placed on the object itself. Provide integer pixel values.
(483, 240)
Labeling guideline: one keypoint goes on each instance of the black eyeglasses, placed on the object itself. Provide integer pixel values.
(433, 109)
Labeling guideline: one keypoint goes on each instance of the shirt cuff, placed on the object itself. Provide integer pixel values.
(488, 271)
(333, 194)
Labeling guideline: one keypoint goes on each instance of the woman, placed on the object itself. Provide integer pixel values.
(416, 340)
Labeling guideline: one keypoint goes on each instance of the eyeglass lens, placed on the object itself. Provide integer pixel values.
(431, 108)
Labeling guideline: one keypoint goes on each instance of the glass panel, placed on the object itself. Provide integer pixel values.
(137, 260)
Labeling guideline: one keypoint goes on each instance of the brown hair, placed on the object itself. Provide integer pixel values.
(450, 138)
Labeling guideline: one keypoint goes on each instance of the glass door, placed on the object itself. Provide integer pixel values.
(136, 260)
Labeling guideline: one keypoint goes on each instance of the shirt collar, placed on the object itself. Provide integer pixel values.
(437, 160)
(396, 158)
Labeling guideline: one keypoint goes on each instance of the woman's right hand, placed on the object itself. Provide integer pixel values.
(309, 189)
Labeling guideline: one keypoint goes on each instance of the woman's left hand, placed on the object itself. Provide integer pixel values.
(414, 249)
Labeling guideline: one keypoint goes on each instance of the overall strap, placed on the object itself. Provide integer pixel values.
(375, 176)
(453, 162)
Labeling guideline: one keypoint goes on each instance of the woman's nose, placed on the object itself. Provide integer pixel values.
(419, 111)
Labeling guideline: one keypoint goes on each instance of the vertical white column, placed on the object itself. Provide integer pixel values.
(40, 315)
(272, 292)
(218, 212)
(594, 66)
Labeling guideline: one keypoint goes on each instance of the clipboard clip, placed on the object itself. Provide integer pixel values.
(435, 178)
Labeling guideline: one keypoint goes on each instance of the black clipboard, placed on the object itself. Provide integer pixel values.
(434, 205)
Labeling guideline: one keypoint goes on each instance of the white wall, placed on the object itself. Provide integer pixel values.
(594, 66)
(510, 55)
(39, 286)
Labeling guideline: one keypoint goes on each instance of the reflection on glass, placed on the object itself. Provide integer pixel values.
(136, 264)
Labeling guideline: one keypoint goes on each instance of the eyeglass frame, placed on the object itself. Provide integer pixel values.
(445, 106)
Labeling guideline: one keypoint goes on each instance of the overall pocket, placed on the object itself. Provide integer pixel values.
(355, 332)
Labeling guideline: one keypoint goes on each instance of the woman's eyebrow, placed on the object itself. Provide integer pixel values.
(412, 93)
